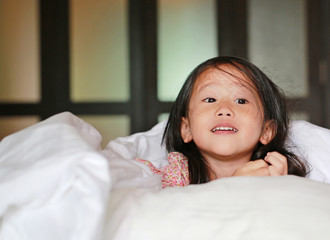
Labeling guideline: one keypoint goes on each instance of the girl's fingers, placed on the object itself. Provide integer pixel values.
(257, 168)
(256, 164)
(279, 164)
(253, 168)
(260, 172)
(273, 171)
(274, 164)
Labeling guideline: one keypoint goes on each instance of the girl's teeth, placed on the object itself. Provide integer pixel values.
(224, 129)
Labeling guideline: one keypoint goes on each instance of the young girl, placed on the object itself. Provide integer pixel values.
(229, 119)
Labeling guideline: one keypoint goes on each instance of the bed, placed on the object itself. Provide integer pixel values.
(56, 182)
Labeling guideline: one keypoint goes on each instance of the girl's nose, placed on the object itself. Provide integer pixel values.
(226, 111)
(225, 114)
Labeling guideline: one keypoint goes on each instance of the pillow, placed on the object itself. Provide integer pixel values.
(307, 140)
(256, 208)
(54, 182)
(312, 143)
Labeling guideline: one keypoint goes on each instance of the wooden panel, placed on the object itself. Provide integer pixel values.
(232, 27)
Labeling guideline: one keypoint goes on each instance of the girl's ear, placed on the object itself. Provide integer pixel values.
(185, 130)
(268, 133)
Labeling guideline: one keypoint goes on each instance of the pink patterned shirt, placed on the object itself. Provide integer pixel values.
(175, 173)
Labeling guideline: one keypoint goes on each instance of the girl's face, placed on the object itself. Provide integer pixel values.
(225, 117)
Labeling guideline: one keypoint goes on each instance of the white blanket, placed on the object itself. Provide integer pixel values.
(54, 184)
(57, 183)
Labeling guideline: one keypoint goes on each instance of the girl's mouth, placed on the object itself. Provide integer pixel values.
(224, 129)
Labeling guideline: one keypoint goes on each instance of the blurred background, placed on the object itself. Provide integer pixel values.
(119, 64)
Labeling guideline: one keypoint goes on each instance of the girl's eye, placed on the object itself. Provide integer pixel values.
(209, 100)
(241, 101)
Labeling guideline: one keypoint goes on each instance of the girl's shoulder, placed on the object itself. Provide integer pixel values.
(174, 157)
(174, 174)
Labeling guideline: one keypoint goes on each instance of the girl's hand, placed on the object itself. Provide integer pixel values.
(274, 164)
(253, 168)
(278, 164)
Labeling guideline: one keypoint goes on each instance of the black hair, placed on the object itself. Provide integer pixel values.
(269, 94)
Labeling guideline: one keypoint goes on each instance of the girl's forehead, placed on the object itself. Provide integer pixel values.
(226, 75)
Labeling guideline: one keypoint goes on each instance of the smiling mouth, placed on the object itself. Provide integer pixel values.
(224, 129)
